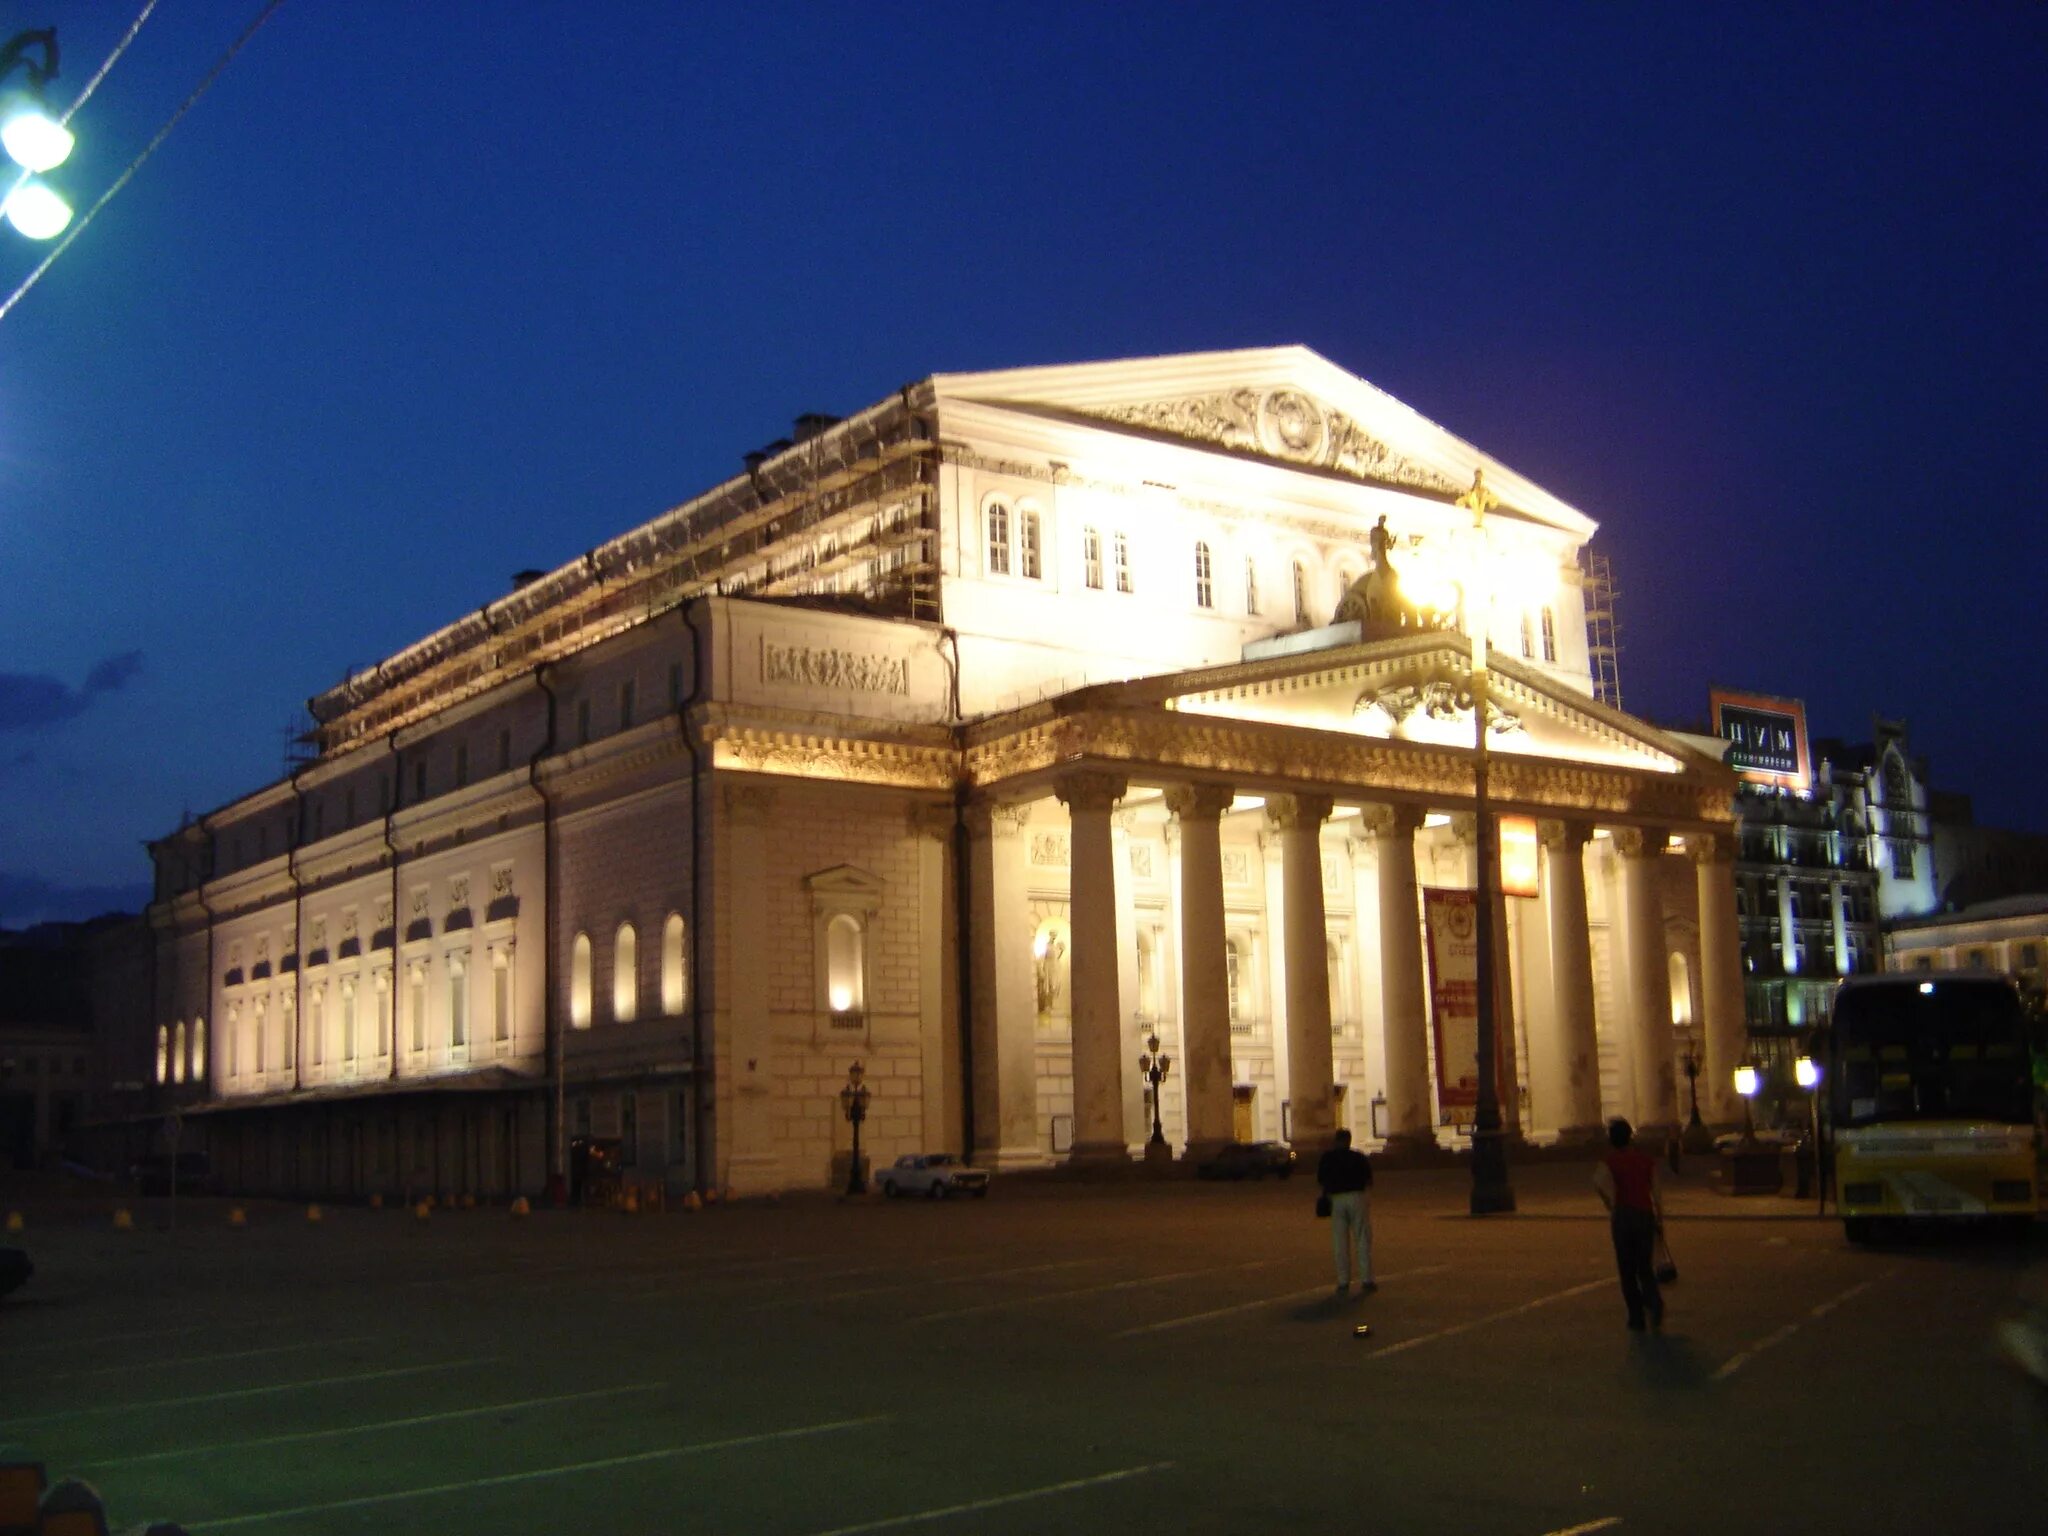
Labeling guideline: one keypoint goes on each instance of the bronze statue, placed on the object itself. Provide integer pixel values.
(1375, 599)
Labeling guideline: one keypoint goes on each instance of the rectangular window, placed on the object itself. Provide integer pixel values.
(461, 764)
(626, 705)
(419, 780)
(998, 539)
(1300, 594)
(314, 834)
(348, 1024)
(416, 1007)
(458, 1003)
(1549, 635)
(1027, 544)
(348, 805)
(679, 1129)
(1528, 637)
(1251, 585)
(1091, 557)
(1902, 858)
(1205, 592)
(583, 722)
(384, 1014)
(504, 749)
(1123, 562)
(501, 997)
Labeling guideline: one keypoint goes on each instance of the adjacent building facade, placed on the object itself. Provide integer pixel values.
(980, 737)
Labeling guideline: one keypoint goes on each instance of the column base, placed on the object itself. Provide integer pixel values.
(1012, 1159)
(1098, 1153)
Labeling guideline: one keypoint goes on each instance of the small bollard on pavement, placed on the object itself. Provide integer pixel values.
(423, 1210)
(313, 1214)
(237, 1217)
(521, 1206)
(377, 1200)
(692, 1201)
(14, 1221)
(124, 1219)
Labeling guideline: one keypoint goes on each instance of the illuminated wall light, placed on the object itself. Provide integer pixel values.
(37, 212)
(35, 141)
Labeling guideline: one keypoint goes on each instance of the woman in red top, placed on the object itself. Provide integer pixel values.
(1627, 1184)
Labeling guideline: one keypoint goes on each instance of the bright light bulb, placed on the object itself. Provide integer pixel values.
(841, 998)
(1747, 1082)
(1805, 1070)
(37, 212)
(35, 142)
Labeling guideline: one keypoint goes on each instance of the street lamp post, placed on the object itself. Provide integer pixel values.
(853, 1099)
(33, 139)
(1153, 1065)
(1748, 1081)
(1807, 1071)
(1491, 1191)
(1696, 1137)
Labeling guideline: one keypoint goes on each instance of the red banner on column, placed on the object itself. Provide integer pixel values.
(1451, 924)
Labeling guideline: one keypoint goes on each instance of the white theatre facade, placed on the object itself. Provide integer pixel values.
(982, 737)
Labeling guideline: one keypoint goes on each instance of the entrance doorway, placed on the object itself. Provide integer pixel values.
(1244, 1113)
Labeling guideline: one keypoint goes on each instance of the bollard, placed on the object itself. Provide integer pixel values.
(423, 1210)
(124, 1221)
(520, 1207)
(313, 1213)
(377, 1200)
(468, 1201)
(237, 1217)
(14, 1221)
(630, 1203)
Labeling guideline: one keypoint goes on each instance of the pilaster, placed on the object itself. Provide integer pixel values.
(1564, 1074)
(1649, 976)
(1090, 796)
(1726, 1039)
(1311, 1072)
(1205, 984)
(1404, 1021)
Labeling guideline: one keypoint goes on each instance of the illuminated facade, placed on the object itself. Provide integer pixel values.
(2009, 934)
(976, 736)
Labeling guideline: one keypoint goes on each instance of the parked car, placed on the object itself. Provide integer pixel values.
(1249, 1160)
(152, 1173)
(934, 1175)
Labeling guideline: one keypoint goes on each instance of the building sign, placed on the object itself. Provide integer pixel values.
(1766, 737)
(1451, 920)
(1518, 863)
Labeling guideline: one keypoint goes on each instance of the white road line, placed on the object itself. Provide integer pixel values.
(1252, 1306)
(364, 1429)
(1742, 1357)
(1480, 1322)
(1071, 1486)
(1087, 1290)
(567, 1470)
(913, 1285)
(175, 1360)
(1588, 1528)
(221, 1397)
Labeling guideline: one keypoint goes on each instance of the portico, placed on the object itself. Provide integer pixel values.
(1237, 857)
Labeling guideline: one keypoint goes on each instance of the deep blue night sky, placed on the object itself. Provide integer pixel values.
(421, 294)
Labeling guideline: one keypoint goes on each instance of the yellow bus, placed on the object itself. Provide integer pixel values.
(1930, 1099)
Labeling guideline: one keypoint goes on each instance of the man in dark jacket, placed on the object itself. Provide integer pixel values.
(1626, 1181)
(1346, 1177)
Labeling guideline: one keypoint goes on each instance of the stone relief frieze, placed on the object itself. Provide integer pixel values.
(1237, 866)
(1282, 424)
(501, 880)
(458, 893)
(1141, 860)
(833, 667)
(1050, 849)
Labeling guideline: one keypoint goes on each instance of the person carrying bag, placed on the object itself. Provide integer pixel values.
(1346, 1179)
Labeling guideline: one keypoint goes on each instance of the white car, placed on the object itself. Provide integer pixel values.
(934, 1175)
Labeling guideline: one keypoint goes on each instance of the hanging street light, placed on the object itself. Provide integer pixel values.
(33, 139)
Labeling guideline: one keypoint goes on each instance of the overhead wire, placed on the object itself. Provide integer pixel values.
(148, 149)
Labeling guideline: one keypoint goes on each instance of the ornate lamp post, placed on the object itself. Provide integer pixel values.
(1153, 1065)
(853, 1099)
(1748, 1083)
(1696, 1137)
(33, 139)
(1490, 1188)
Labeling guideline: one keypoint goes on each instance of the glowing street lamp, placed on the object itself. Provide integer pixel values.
(1490, 1188)
(853, 1099)
(1748, 1082)
(1806, 1071)
(34, 140)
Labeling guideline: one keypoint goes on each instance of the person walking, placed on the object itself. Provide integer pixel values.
(1346, 1177)
(1626, 1181)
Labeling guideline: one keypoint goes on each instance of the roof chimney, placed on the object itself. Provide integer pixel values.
(811, 423)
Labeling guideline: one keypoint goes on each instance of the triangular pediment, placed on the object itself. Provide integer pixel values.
(1284, 405)
(1416, 690)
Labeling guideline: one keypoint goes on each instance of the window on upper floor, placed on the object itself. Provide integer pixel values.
(999, 538)
(583, 722)
(314, 815)
(675, 684)
(198, 1050)
(419, 780)
(1027, 544)
(1549, 634)
(461, 764)
(674, 975)
(625, 975)
(416, 1004)
(1300, 593)
(163, 1052)
(458, 1000)
(1528, 637)
(348, 805)
(501, 993)
(1205, 592)
(626, 705)
(1123, 561)
(579, 983)
(504, 748)
(1091, 557)
(1251, 585)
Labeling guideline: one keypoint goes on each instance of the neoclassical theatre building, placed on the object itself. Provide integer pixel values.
(983, 737)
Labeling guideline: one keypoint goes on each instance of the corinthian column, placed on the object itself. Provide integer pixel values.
(1564, 1077)
(1311, 1073)
(1649, 976)
(1721, 989)
(1004, 1004)
(1204, 970)
(1404, 1023)
(1098, 1014)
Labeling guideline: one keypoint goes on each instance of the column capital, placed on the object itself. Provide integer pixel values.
(1203, 802)
(1559, 836)
(1713, 846)
(994, 819)
(1379, 820)
(1640, 842)
(1090, 789)
(933, 821)
(1285, 813)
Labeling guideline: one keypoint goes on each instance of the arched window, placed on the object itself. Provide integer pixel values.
(199, 1050)
(1205, 594)
(579, 983)
(1027, 544)
(998, 538)
(163, 1052)
(458, 1000)
(1091, 557)
(259, 1027)
(625, 975)
(1549, 634)
(351, 1041)
(845, 965)
(416, 1004)
(384, 1013)
(1251, 585)
(1300, 593)
(673, 990)
(1123, 562)
(316, 1027)
(501, 993)
(288, 1008)
(1233, 965)
(1528, 636)
(235, 1041)
(178, 1052)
